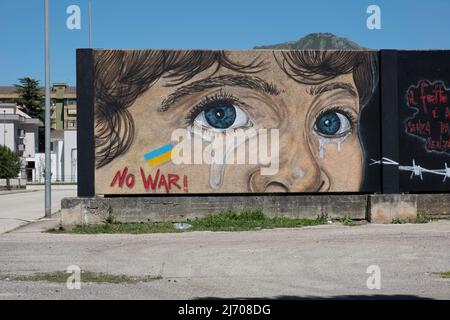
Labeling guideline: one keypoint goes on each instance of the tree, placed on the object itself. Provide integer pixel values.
(9, 164)
(30, 97)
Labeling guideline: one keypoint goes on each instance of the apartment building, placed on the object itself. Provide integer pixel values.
(19, 132)
(63, 135)
(63, 104)
(64, 107)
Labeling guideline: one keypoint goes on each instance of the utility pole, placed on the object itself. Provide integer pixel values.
(48, 160)
(90, 24)
(4, 128)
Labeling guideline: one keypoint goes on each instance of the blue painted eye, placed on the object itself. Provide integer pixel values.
(332, 123)
(221, 115)
(328, 123)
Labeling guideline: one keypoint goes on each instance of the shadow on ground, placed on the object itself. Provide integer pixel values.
(343, 297)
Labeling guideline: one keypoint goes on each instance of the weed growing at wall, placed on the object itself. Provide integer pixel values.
(245, 220)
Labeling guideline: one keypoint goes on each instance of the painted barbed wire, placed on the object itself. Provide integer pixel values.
(415, 169)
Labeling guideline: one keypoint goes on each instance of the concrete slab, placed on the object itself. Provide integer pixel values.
(17, 209)
(378, 208)
(385, 207)
(180, 208)
(314, 262)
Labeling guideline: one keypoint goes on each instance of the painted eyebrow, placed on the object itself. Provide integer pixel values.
(316, 90)
(243, 81)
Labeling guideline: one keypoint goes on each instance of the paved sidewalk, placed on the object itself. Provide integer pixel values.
(324, 261)
(19, 208)
(9, 192)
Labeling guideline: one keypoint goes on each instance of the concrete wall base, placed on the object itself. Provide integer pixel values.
(375, 208)
(385, 207)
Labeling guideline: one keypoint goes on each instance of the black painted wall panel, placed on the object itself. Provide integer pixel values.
(424, 120)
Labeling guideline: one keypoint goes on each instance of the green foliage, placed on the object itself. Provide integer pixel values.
(322, 219)
(9, 163)
(245, 220)
(422, 218)
(347, 220)
(444, 275)
(122, 228)
(30, 97)
(398, 221)
(87, 277)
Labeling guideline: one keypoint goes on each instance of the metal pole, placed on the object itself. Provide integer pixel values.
(48, 160)
(90, 24)
(4, 128)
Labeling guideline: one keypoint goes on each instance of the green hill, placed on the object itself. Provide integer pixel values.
(315, 41)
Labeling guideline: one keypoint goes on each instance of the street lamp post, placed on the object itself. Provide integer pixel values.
(48, 161)
(90, 24)
(4, 128)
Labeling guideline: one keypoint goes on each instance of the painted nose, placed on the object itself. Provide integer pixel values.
(299, 172)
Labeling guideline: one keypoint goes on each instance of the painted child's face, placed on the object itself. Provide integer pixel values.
(319, 148)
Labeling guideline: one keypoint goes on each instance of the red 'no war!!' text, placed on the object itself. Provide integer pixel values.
(152, 182)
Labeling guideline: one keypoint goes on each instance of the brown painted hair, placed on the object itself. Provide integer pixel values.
(122, 76)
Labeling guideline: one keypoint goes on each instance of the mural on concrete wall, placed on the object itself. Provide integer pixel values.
(234, 121)
(429, 124)
(424, 114)
(431, 120)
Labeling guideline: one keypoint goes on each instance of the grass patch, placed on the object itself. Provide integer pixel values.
(422, 218)
(444, 275)
(398, 221)
(86, 277)
(121, 228)
(249, 220)
(346, 220)
(246, 220)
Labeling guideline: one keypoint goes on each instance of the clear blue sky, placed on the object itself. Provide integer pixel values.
(206, 24)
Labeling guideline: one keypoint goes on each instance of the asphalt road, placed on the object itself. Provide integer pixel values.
(17, 209)
(315, 262)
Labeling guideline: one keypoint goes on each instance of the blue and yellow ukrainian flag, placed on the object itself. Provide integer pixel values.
(159, 156)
